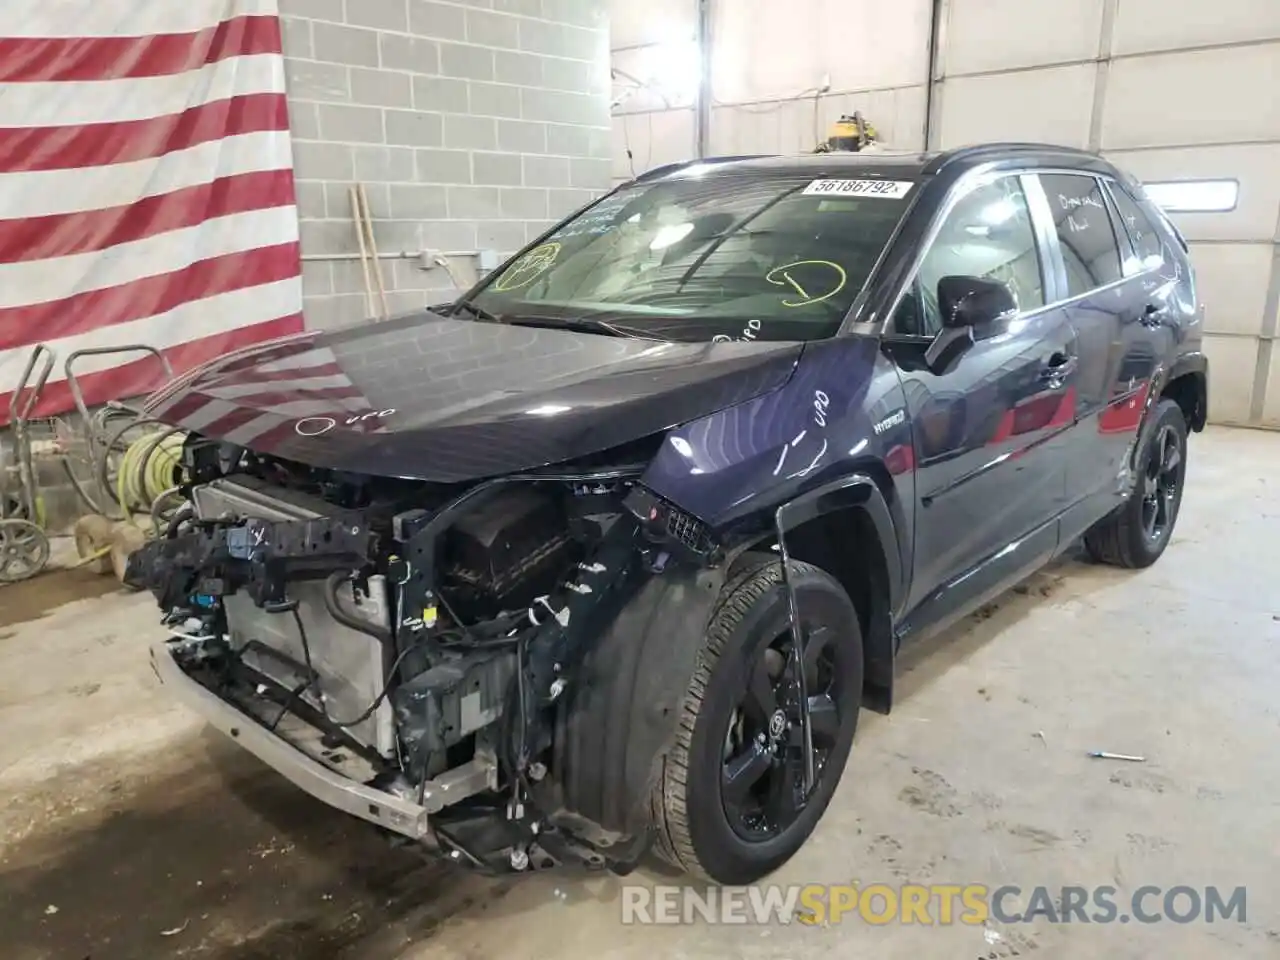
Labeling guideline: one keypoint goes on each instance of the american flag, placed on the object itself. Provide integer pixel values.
(146, 187)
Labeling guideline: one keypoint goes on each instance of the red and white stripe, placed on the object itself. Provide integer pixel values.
(146, 188)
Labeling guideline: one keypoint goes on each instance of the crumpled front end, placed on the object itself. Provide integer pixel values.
(418, 655)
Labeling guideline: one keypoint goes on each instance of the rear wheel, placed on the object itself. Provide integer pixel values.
(1136, 533)
(730, 803)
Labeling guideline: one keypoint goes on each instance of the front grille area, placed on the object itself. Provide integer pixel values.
(350, 666)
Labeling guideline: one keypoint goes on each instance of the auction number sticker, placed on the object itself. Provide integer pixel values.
(890, 189)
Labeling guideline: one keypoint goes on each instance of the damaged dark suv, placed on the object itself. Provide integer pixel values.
(607, 555)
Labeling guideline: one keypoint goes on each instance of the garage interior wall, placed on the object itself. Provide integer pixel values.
(782, 71)
(473, 125)
(1168, 89)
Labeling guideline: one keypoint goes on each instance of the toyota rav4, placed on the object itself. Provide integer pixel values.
(607, 555)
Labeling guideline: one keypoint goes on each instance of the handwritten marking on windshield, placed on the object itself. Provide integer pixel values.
(791, 280)
(836, 278)
(528, 268)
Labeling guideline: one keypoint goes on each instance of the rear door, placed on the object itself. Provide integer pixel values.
(1109, 293)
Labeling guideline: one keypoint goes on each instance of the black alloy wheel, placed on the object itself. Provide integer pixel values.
(730, 804)
(1162, 483)
(1135, 534)
(762, 781)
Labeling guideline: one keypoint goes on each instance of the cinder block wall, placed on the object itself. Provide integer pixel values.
(473, 124)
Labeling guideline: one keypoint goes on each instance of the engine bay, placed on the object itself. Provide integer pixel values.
(422, 632)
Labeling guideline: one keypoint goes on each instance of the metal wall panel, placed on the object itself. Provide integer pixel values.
(770, 59)
(1233, 280)
(655, 138)
(1146, 25)
(1232, 361)
(772, 49)
(986, 35)
(1225, 95)
(1052, 105)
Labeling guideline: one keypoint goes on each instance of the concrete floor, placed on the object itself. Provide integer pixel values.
(129, 831)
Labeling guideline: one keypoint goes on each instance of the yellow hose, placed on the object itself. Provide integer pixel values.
(147, 470)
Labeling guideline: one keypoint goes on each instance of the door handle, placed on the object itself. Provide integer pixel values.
(1058, 367)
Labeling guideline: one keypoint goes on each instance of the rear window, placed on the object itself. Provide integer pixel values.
(1148, 250)
(1085, 232)
(710, 258)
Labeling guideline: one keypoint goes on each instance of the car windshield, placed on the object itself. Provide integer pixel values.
(728, 257)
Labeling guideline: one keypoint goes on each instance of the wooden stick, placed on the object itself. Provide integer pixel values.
(373, 250)
(358, 219)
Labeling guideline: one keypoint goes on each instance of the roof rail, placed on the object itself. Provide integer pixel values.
(668, 168)
(981, 150)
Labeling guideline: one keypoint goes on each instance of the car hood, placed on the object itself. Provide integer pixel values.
(435, 398)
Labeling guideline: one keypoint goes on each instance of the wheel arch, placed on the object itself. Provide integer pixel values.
(846, 528)
(1188, 385)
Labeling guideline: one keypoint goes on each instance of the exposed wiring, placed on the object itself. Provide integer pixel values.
(289, 702)
(312, 675)
(626, 144)
(443, 262)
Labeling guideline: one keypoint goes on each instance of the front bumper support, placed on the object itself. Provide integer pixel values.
(398, 814)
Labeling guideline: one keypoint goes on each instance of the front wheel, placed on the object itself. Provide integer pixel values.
(730, 804)
(1137, 532)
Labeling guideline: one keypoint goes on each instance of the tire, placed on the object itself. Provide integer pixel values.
(694, 828)
(1127, 537)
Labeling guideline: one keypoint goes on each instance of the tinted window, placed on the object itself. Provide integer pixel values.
(988, 233)
(735, 256)
(1147, 246)
(1084, 231)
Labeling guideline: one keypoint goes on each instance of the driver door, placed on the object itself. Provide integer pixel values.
(989, 430)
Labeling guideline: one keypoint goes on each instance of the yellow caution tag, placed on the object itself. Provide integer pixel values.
(429, 616)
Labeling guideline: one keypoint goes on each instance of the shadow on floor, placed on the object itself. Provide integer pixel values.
(222, 860)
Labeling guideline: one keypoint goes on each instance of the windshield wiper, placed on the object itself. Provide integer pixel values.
(480, 313)
(585, 323)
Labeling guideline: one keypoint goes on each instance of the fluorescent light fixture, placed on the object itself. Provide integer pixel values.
(548, 410)
(1194, 196)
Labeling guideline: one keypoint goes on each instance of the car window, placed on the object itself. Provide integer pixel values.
(988, 233)
(1147, 247)
(1085, 232)
(732, 257)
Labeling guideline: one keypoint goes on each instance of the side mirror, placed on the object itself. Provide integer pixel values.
(972, 308)
(975, 302)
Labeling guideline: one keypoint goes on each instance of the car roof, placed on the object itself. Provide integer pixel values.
(881, 162)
